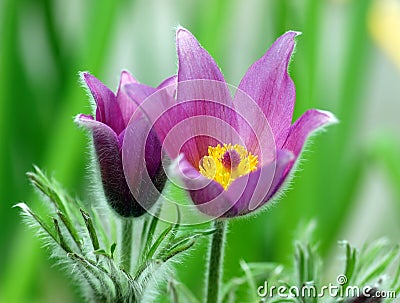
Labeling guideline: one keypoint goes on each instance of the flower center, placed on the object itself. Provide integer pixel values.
(226, 163)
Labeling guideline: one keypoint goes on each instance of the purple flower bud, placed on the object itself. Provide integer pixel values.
(113, 113)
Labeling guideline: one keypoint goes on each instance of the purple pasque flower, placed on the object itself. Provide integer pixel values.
(232, 154)
(113, 113)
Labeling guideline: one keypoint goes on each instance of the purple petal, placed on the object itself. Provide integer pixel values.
(180, 132)
(208, 195)
(255, 189)
(255, 129)
(192, 136)
(194, 61)
(108, 111)
(137, 94)
(168, 82)
(91, 124)
(141, 157)
(309, 122)
(107, 148)
(244, 195)
(285, 160)
(209, 116)
(140, 92)
(269, 84)
(126, 105)
(156, 107)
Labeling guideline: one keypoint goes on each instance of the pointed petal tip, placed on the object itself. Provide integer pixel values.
(194, 62)
(181, 30)
(83, 74)
(311, 122)
(184, 36)
(289, 38)
(82, 78)
(126, 77)
(168, 82)
(93, 84)
(294, 33)
(86, 76)
(330, 118)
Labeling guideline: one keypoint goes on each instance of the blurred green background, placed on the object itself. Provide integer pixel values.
(347, 61)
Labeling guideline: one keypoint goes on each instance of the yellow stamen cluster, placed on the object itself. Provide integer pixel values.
(226, 163)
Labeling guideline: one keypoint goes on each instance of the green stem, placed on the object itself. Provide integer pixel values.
(126, 248)
(215, 262)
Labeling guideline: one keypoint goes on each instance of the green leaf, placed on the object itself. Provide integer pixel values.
(71, 229)
(151, 231)
(61, 238)
(97, 222)
(300, 264)
(158, 241)
(28, 212)
(179, 247)
(172, 234)
(90, 229)
(112, 249)
(47, 187)
(351, 257)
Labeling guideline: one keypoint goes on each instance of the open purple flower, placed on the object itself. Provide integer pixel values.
(232, 154)
(113, 113)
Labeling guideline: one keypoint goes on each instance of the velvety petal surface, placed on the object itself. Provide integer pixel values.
(269, 84)
(107, 148)
(254, 128)
(141, 157)
(108, 110)
(194, 65)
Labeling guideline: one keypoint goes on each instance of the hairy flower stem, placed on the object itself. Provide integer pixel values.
(126, 249)
(215, 262)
